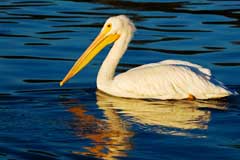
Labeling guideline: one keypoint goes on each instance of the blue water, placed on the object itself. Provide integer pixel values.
(39, 42)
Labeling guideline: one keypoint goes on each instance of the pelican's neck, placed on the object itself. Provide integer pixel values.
(108, 68)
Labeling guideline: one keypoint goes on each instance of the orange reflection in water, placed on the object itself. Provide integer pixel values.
(109, 137)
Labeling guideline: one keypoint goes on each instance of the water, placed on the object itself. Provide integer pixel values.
(40, 40)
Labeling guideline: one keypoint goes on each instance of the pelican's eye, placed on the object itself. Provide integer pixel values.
(107, 27)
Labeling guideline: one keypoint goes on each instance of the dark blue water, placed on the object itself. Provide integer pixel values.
(39, 42)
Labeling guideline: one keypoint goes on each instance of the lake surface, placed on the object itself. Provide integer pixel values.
(39, 42)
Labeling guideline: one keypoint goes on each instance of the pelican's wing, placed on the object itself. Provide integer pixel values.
(168, 80)
(204, 71)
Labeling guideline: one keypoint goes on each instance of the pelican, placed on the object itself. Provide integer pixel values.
(168, 79)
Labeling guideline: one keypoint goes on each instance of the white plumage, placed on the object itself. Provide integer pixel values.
(169, 79)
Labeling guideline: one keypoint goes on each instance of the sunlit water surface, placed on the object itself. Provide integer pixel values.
(40, 40)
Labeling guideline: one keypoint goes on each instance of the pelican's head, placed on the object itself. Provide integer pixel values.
(119, 25)
(112, 30)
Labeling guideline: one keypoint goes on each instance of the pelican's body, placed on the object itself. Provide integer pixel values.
(169, 79)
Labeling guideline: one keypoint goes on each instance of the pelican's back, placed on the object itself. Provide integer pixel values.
(168, 79)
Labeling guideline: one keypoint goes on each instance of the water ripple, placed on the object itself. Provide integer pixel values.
(185, 52)
(35, 58)
(171, 30)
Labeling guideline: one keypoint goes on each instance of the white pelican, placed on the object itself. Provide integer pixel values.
(169, 79)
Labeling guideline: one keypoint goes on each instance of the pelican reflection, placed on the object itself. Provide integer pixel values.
(181, 114)
(110, 136)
